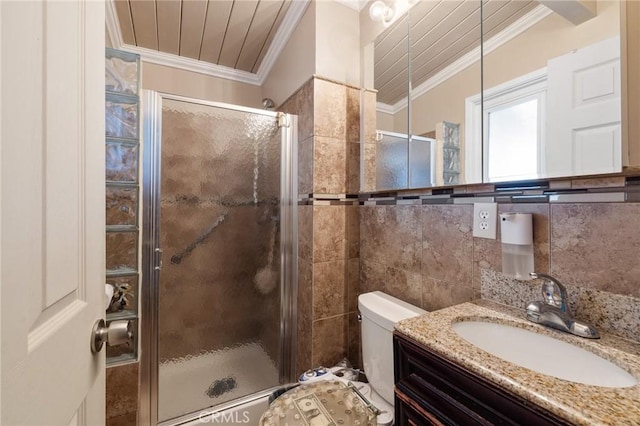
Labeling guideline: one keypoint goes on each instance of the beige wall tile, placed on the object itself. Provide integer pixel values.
(447, 253)
(404, 285)
(353, 284)
(330, 340)
(330, 109)
(305, 306)
(121, 390)
(354, 353)
(329, 289)
(329, 233)
(392, 236)
(305, 166)
(329, 165)
(305, 232)
(301, 104)
(353, 232)
(438, 294)
(353, 168)
(353, 115)
(596, 246)
(372, 276)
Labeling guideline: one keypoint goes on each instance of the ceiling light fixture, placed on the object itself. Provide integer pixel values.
(380, 12)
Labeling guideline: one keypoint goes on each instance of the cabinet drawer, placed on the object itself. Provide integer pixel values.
(456, 396)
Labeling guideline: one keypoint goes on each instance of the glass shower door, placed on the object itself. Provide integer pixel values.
(219, 290)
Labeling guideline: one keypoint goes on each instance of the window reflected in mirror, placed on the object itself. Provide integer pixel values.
(513, 136)
(552, 93)
(549, 104)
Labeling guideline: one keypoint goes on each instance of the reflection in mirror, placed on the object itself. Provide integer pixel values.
(445, 70)
(391, 80)
(552, 104)
(424, 133)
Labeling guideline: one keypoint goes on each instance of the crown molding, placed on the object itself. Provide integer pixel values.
(112, 25)
(286, 29)
(356, 5)
(385, 108)
(193, 65)
(509, 33)
(518, 27)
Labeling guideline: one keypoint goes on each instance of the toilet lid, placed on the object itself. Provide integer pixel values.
(319, 404)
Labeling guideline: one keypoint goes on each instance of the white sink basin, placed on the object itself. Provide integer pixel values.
(544, 354)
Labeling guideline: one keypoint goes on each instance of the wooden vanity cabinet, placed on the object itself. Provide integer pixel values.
(430, 390)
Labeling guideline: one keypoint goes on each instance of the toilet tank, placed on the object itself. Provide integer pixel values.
(379, 313)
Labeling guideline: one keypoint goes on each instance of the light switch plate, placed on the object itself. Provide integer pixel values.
(485, 220)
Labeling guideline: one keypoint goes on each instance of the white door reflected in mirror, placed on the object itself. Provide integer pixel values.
(562, 120)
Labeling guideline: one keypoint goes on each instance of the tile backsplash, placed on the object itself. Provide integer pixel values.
(426, 254)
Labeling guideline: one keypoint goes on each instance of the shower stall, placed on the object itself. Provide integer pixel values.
(219, 250)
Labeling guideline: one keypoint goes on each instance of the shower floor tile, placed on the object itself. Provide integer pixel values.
(193, 383)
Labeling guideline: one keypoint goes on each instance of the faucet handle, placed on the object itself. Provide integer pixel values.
(553, 292)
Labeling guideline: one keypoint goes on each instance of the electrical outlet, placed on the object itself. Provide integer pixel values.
(485, 220)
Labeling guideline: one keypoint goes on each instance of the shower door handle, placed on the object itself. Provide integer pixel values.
(159, 263)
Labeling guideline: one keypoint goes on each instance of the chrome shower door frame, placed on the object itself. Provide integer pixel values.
(152, 252)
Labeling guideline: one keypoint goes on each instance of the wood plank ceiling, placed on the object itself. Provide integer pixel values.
(237, 33)
(439, 34)
(233, 33)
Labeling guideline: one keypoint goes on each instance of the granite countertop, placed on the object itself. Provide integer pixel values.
(578, 403)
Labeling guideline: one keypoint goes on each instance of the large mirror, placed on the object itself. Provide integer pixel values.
(425, 65)
(552, 91)
(551, 81)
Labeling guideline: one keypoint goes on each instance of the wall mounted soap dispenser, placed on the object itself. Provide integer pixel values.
(516, 231)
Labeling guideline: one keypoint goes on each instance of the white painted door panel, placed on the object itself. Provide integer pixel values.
(52, 211)
(584, 110)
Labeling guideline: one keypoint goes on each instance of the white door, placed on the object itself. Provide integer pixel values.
(52, 211)
(584, 110)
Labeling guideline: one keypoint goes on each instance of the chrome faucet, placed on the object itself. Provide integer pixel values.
(553, 311)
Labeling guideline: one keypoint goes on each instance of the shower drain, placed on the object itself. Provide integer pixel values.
(222, 386)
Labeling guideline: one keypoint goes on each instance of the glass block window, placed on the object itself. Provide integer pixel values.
(122, 159)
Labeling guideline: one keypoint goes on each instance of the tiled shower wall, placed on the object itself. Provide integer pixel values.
(329, 167)
(427, 255)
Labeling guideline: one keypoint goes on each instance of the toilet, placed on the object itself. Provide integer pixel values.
(379, 312)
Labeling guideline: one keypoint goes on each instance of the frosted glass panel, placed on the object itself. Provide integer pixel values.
(392, 162)
(121, 75)
(122, 251)
(121, 205)
(121, 162)
(420, 159)
(121, 118)
(219, 291)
